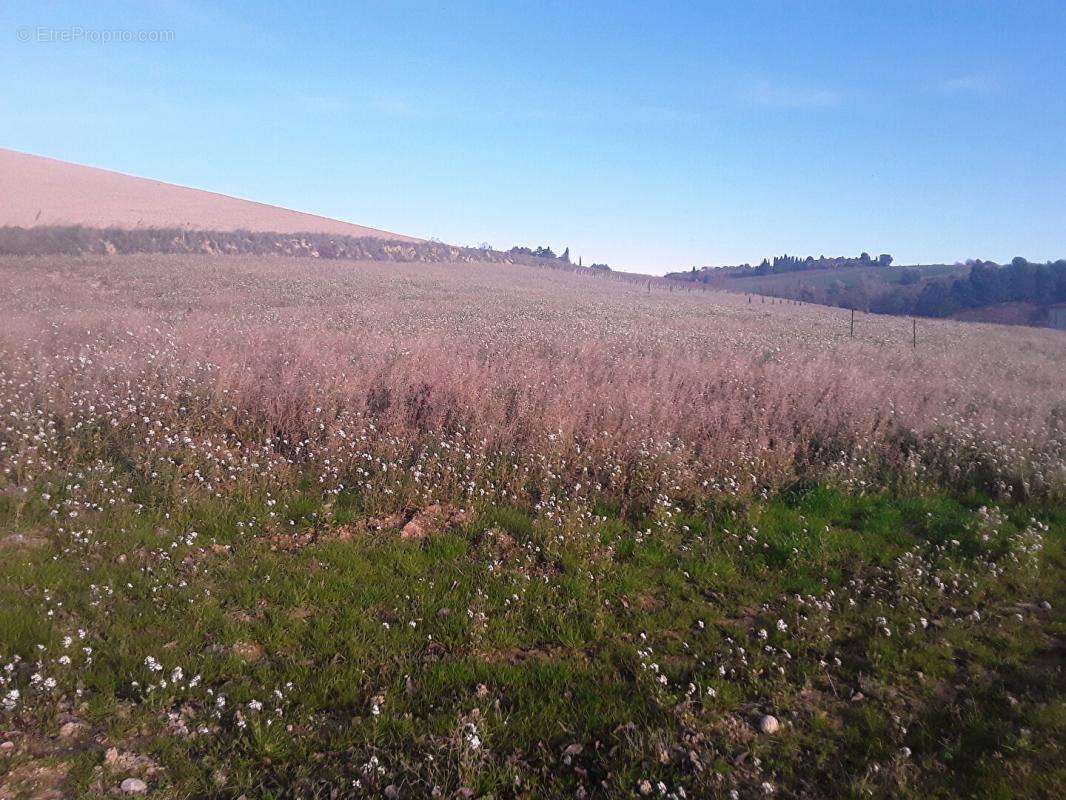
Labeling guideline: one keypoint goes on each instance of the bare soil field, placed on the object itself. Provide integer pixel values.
(37, 191)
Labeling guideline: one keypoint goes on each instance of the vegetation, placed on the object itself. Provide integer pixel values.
(782, 264)
(81, 240)
(938, 291)
(285, 528)
(988, 284)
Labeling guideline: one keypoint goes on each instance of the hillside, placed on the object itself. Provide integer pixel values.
(1019, 293)
(827, 280)
(39, 191)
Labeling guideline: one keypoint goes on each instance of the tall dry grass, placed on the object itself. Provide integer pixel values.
(419, 382)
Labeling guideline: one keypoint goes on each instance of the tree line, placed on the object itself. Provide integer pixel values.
(781, 264)
(547, 252)
(986, 284)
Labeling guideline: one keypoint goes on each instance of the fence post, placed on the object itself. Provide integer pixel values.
(914, 334)
(853, 323)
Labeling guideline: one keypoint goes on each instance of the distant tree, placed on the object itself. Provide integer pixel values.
(934, 301)
(884, 260)
(565, 256)
(864, 257)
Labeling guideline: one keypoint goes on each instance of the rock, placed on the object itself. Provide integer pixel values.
(431, 518)
(769, 724)
(443, 612)
(22, 541)
(134, 786)
(111, 756)
(7, 747)
(249, 651)
(392, 791)
(502, 542)
(415, 530)
(70, 729)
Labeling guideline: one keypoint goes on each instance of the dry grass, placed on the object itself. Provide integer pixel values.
(569, 372)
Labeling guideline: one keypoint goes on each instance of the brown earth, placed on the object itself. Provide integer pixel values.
(37, 191)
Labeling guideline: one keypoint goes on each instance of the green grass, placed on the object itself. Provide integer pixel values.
(550, 651)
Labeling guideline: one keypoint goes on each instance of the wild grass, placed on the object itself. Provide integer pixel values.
(659, 516)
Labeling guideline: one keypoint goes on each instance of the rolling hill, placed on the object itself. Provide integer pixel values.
(1019, 293)
(38, 191)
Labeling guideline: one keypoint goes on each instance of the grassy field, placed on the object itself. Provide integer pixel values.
(281, 529)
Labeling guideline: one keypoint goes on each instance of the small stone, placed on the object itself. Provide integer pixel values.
(134, 786)
(249, 651)
(858, 697)
(70, 730)
(392, 791)
(23, 541)
(111, 756)
(443, 612)
(1046, 605)
(7, 746)
(769, 724)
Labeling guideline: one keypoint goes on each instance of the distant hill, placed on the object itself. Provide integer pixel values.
(1017, 293)
(37, 191)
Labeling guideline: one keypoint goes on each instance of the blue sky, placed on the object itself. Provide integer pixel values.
(650, 138)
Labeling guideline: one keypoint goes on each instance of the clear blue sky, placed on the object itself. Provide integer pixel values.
(652, 139)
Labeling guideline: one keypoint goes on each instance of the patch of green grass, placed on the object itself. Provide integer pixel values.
(589, 655)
